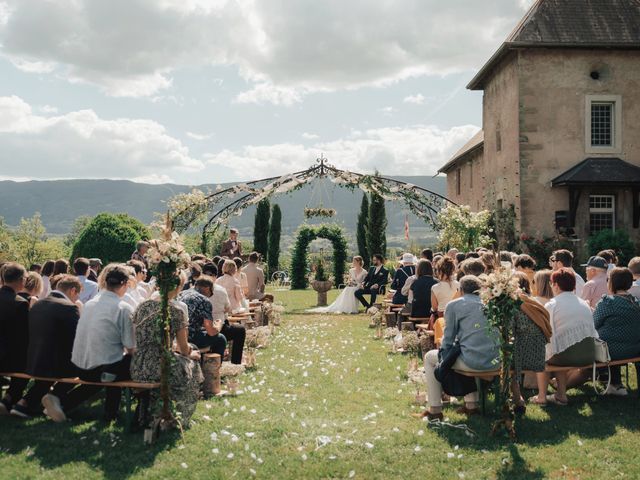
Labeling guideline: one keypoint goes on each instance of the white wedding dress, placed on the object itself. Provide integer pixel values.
(346, 301)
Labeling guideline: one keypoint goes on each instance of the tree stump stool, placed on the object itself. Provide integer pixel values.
(392, 319)
(211, 372)
(410, 326)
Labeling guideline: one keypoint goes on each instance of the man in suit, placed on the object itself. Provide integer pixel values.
(14, 331)
(376, 279)
(232, 247)
(52, 329)
(255, 278)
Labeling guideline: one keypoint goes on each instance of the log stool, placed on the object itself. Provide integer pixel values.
(211, 371)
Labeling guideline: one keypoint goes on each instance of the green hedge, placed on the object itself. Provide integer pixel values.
(618, 241)
(110, 237)
(306, 235)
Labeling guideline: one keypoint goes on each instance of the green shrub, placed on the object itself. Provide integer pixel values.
(110, 237)
(618, 241)
(321, 275)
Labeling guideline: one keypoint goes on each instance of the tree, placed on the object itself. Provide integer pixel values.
(29, 239)
(261, 227)
(110, 237)
(463, 229)
(377, 226)
(361, 230)
(7, 249)
(275, 228)
(79, 224)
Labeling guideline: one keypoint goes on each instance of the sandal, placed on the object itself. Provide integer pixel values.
(556, 401)
(534, 400)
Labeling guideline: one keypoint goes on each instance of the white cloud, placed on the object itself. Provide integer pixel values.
(310, 136)
(48, 109)
(82, 145)
(154, 179)
(415, 99)
(415, 150)
(199, 136)
(284, 49)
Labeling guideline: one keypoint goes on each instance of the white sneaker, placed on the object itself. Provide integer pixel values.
(53, 409)
(616, 391)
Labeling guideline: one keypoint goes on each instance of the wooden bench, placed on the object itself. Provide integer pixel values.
(491, 375)
(126, 385)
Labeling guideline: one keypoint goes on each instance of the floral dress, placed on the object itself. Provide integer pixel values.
(185, 374)
(529, 345)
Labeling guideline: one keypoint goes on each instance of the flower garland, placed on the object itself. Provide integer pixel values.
(166, 257)
(319, 212)
(499, 294)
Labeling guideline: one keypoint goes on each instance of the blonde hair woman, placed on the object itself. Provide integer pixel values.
(232, 285)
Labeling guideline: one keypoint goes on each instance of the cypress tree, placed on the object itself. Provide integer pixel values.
(273, 260)
(361, 231)
(261, 228)
(377, 226)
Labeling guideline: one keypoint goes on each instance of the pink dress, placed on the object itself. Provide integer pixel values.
(232, 286)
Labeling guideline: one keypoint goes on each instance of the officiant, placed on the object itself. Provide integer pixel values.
(231, 247)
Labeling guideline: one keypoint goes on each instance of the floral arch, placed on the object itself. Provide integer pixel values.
(305, 236)
(214, 209)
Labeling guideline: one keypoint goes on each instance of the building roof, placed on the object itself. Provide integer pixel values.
(476, 143)
(570, 24)
(600, 171)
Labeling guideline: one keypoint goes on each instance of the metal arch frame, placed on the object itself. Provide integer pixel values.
(320, 170)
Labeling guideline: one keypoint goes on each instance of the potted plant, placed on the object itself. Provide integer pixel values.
(321, 284)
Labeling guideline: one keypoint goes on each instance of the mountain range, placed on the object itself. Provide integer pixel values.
(60, 202)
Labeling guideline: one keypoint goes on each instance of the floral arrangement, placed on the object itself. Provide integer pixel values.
(257, 338)
(500, 296)
(416, 377)
(319, 212)
(390, 332)
(463, 229)
(377, 318)
(272, 312)
(166, 258)
(411, 343)
(228, 369)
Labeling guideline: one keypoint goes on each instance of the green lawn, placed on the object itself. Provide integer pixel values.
(328, 401)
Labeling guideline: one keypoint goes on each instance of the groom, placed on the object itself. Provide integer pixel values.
(373, 283)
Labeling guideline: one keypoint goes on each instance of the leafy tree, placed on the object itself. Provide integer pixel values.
(361, 231)
(79, 224)
(275, 229)
(261, 227)
(110, 237)
(377, 226)
(7, 249)
(618, 241)
(29, 240)
(463, 229)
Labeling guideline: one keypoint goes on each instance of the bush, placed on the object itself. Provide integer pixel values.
(320, 275)
(110, 237)
(618, 241)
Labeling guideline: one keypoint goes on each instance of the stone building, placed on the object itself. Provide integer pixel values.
(561, 122)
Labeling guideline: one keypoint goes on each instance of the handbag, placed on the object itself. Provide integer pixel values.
(452, 382)
(602, 355)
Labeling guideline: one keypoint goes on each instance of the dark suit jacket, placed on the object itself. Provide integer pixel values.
(52, 327)
(14, 331)
(380, 279)
(228, 250)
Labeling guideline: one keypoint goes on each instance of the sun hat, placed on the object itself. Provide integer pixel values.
(408, 259)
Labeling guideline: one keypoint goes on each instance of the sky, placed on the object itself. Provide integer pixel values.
(211, 91)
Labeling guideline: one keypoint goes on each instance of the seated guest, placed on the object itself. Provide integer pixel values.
(140, 253)
(617, 320)
(531, 332)
(59, 267)
(572, 341)
(427, 254)
(14, 331)
(220, 299)
(47, 272)
(596, 286)
(242, 278)
(421, 288)
(52, 329)
(185, 375)
(472, 266)
(564, 259)
(89, 287)
(460, 257)
(376, 279)
(194, 273)
(231, 283)
(490, 261)
(542, 286)
(142, 289)
(32, 288)
(255, 278)
(407, 269)
(526, 264)
(466, 324)
(132, 296)
(95, 265)
(210, 269)
(442, 293)
(634, 268)
(203, 330)
(105, 339)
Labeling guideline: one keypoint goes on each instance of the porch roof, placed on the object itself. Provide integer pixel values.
(600, 171)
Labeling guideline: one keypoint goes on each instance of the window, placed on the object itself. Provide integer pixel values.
(458, 180)
(603, 124)
(601, 213)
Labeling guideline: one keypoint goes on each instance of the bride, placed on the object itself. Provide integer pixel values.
(347, 301)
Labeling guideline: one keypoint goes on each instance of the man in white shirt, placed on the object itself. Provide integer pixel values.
(564, 259)
(255, 278)
(634, 266)
(89, 288)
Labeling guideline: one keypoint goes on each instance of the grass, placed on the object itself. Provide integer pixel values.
(325, 379)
